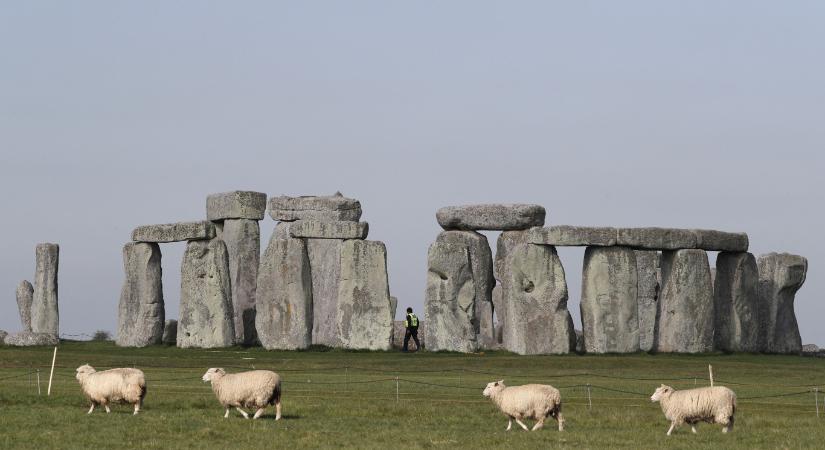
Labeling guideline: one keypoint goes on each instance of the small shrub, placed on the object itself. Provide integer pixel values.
(102, 335)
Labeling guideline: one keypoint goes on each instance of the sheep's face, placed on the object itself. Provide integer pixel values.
(493, 387)
(661, 391)
(211, 373)
(84, 370)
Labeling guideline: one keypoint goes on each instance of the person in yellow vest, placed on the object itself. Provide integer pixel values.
(411, 324)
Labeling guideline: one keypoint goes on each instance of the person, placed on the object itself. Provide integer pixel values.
(411, 324)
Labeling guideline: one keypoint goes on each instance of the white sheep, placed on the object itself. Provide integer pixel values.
(708, 404)
(530, 401)
(255, 388)
(112, 386)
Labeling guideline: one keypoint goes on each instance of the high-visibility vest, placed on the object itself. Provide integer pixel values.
(411, 321)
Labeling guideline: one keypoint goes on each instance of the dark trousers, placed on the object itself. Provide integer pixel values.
(411, 332)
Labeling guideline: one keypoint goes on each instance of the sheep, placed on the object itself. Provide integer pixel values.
(708, 404)
(530, 401)
(255, 388)
(112, 386)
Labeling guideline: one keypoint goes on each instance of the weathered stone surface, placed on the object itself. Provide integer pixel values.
(449, 303)
(30, 339)
(243, 246)
(174, 232)
(579, 341)
(45, 316)
(685, 317)
(393, 306)
(140, 312)
(810, 348)
(25, 297)
(498, 312)
(282, 230)
(535, 303)
(490, 217)
(284, 298)
(721, 241)
(481, 265)
(507, 241)
(325, 208)
(780, 277)
(656, 238)
(364, 316)
(206, 318)
(647, 271)
(3, 334)
(567, 235)
(236, 205)
(170, 332)
(609, 303)
(329, 230)
(735, 298)
(325, 270)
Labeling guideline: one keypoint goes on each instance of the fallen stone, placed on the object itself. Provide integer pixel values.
(449, 303)
(243, 246)
(284, 306)
(236, 205)
(647, 271)
(206, 318)
(481, 265)
(25, 297)
(780, 277)
(324, 208)
(364, 316)
(566, 235)
(325, 270)
(735, 297)
(609, 302)
(507, 241)
(685, 318)
(720, 241)
(656, 238)
(170, 332)
(30, 339)
(45, 316)
(502, 217)
(535, 303)
(329, 230)
(140, 312)
(174, 232)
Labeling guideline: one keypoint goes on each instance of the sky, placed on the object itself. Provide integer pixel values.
(115, 114)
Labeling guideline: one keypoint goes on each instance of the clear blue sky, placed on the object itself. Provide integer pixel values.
(689, 114)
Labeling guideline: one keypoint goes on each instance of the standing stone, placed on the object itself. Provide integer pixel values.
(535, 303)
(3, 334)
(506, 242)
(170, 332)
(491, 217)
(609, 303)
(481, 265)
(498, 309)
(780, 277)
(449, 303)
(364, 316)
(735, 300)
(284, 298)
(44, 310)
(140, 313)
(25, 297)
(325, 270)
(685, 316)
(393, 306)
(647, 270)
(206, 319)
(243, 245)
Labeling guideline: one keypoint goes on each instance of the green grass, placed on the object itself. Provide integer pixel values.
(348, 400)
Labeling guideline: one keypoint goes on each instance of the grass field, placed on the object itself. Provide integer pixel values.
(351, 399)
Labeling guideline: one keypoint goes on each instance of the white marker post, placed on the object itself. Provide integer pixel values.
(51, 374)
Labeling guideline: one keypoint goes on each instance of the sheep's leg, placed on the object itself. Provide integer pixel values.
(539, 424)
(137, 408)
(106, 405)
(518, 421)
(672, 426)
(258, 413)
(509, 423)
(92, 408)
(243, 413)
(693, 429)
(278, 410)
(560, 419)
(226, 416)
